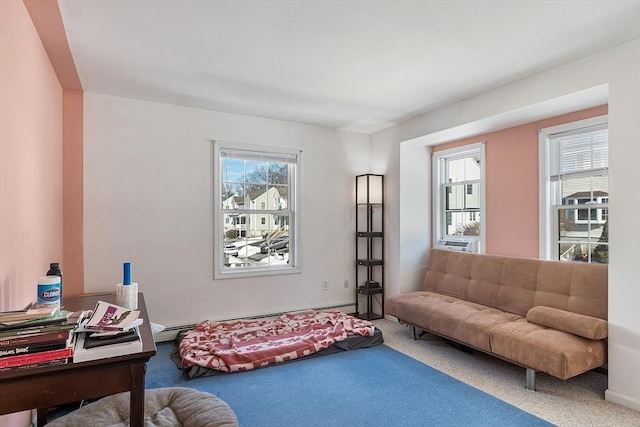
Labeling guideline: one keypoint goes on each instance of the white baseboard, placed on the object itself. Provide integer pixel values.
(169, 334)
(622, 400)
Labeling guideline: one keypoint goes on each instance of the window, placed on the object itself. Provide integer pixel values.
(459, 193)
(256, 211)
(575, 191)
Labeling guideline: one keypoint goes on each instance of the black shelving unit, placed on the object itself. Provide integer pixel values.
(369, 246)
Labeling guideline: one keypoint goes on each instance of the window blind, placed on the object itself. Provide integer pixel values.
(579, 151)
(272, 157)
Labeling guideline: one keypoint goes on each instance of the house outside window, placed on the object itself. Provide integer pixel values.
(256, 212)
(459, 193)
(575, 191)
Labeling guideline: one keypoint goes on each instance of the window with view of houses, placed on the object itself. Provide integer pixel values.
(458, 184)
(575, 191)
(256, 209)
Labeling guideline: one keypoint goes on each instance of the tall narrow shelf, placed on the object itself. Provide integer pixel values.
(369, 246)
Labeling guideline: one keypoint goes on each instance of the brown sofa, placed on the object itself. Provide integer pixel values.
(546, 316)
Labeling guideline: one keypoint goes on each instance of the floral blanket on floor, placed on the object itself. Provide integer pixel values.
(242, 345)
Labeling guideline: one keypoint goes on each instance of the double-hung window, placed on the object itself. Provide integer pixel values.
(257, 215)
(575, 191)
(459, 193)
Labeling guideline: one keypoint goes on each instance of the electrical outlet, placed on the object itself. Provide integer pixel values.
(346, 283)
(325, 285)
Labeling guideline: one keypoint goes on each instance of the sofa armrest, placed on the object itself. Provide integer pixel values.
(573, 323)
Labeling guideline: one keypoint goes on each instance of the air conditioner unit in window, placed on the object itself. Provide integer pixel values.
(460, 245)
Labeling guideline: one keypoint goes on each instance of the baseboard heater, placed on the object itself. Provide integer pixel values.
(170, 332)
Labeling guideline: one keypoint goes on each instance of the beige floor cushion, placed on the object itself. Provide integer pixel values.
(164, 407)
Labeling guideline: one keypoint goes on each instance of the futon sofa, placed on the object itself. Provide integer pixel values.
(546, 316)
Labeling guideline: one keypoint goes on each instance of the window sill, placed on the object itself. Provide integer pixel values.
(257, 272)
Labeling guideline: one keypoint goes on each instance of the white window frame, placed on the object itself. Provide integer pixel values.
(547, 225)
(293, 208)
(439, 159)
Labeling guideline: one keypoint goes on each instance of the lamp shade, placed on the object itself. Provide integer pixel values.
(369, 189)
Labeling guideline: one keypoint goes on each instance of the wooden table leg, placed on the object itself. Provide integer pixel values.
(136, 397)
(42, 416)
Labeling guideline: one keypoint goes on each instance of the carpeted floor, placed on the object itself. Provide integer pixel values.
(578, 401)
(378, 386)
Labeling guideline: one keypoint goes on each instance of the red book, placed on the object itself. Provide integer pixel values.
(23, 349)
(29, 359)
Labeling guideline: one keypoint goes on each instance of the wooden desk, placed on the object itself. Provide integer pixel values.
(56, 385)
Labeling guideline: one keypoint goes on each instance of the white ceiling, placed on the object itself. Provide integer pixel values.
(351, 64)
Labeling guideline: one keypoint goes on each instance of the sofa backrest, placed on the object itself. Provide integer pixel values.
(517, 284)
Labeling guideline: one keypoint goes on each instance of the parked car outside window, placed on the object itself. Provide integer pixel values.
(231, 249)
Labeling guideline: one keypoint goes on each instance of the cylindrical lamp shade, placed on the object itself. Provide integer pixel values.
(369, 189)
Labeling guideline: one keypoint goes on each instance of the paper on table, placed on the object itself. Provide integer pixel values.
(111, 317)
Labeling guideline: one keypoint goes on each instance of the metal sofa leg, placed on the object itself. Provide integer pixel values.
(531, 379)
(414, 336)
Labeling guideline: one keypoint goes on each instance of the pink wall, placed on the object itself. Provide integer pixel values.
(30, 163)
(31, 146)
(512, 183)
(73, 192)
(47, 20)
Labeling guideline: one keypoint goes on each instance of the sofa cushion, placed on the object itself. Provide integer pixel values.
(573, 323)
(557, 353)
(451, 317)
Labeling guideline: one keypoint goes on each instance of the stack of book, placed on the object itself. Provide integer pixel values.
(36, 337)
(109, 331)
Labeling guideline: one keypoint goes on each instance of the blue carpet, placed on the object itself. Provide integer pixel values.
(375, 386)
